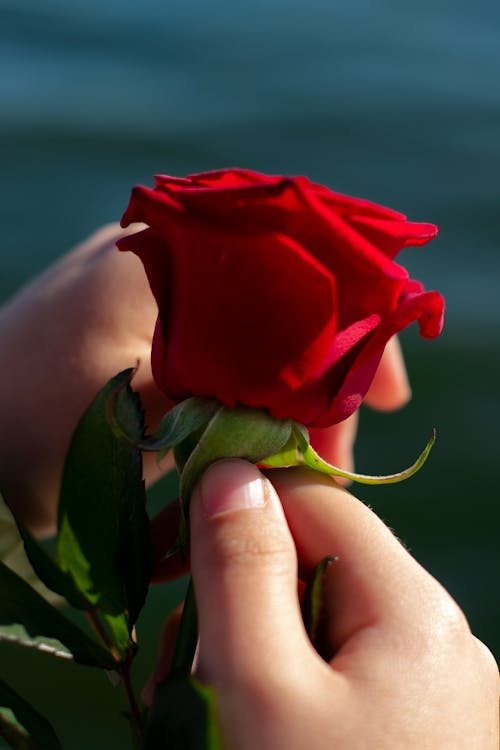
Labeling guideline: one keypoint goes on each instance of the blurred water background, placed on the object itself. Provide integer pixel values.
(398, 102)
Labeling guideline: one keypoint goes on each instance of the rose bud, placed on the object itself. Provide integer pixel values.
(274, 292)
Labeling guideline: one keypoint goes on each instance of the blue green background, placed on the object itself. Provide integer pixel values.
(394, 101)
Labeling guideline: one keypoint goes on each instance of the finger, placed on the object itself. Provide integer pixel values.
(165, 652)
(154, 470)
(164, 533)
(244, 571)
(335, 444)
(390, 388)
(375, 582)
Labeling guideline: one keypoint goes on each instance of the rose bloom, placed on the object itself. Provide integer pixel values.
(273, 291)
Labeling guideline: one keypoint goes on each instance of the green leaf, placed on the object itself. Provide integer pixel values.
(49, 571)
(233, 433)
(13, 553)
(299, 452)
(313, 603)
(26, 619)
(104, 537)
(21, 725)
(9, 537)
(183, 716)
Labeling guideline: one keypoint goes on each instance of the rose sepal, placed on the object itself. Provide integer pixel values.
(242, 432)
(299, 452)
(179, 423)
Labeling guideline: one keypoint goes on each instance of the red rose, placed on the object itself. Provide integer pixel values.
(274, 292)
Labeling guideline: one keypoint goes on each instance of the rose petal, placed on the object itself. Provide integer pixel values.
(274, 291)
(151, 207)
(230, 331)
(392, 236)
(416, 305)
(368, 282)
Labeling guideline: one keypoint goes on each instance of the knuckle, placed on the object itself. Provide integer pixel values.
(450, 619)
(487, 663)
(265, 550)
(439, 627)
(449, 624)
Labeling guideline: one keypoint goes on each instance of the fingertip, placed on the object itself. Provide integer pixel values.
(336, 444)
(165, 651)
(390, 388)
(230, 485)
(164, 534)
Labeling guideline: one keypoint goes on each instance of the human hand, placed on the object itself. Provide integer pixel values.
(405, 671)
(64, 335)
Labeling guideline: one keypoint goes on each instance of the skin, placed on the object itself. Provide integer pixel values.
(64, 335)
(403, 669)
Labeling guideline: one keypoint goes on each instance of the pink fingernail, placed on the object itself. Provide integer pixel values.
(231, 485)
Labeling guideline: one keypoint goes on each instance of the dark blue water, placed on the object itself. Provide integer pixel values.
(395, 101)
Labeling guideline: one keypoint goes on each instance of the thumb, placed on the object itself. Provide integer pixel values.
(244, 569)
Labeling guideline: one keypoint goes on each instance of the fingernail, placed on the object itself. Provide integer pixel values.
(231, 485)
